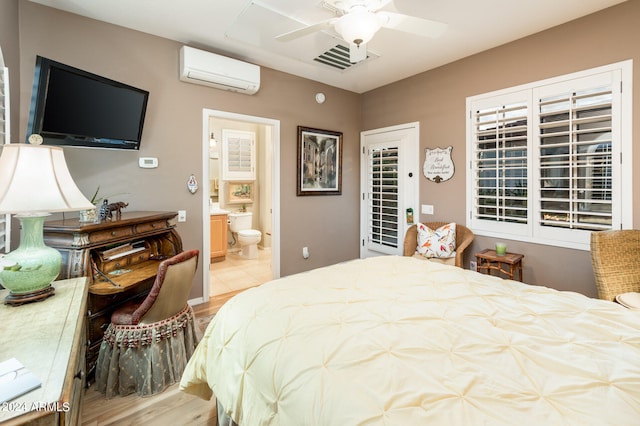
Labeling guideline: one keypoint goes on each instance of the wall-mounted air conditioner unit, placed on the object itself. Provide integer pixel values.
(221, 72)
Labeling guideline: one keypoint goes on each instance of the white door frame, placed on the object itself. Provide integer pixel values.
(409, 162)
(274, 125)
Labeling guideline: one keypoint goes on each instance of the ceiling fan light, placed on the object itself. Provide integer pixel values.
(358, 27)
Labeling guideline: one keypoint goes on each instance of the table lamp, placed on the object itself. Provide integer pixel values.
(34, 182)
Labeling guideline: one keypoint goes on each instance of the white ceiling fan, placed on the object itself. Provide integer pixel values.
(357, 22)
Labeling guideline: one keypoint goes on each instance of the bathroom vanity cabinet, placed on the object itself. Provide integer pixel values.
(218, 237)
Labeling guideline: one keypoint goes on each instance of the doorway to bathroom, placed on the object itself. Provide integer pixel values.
(232, 272)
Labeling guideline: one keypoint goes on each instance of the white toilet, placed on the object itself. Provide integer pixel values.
(248, 238)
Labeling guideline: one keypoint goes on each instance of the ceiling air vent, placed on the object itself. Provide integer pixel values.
(338, 57)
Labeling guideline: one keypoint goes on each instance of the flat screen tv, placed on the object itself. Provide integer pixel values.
(72, 107)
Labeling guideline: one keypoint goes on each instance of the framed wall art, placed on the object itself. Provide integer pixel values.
(239, 192)
(319, 162)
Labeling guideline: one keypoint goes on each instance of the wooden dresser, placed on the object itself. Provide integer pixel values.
(120, 258)
(48, 338)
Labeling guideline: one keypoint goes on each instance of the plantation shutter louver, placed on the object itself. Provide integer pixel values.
(575, 159)
(238, 152)
(240, 155)
(383, 196)
(500, 157)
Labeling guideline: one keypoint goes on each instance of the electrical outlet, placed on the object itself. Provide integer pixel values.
(473, 265)
(182, 215)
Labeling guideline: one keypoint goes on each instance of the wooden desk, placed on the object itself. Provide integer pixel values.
(48, 338)
(83, 245)
(488, 260)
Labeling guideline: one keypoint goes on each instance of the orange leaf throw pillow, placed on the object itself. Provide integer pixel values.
(437, 243)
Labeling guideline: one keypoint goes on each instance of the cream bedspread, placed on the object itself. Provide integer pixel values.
(402, 341)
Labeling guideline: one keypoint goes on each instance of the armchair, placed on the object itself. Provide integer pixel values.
(614, 258)
(464, 237)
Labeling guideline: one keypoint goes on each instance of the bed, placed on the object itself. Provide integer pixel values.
(401, 341)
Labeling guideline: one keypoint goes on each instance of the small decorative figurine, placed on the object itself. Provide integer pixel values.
(106, 209)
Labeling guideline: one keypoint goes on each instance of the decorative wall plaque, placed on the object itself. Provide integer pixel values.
(438, 165)
(192, 184)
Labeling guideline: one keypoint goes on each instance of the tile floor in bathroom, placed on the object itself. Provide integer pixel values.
(236, 273)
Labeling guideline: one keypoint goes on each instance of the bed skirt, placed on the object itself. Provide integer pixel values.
(223, 418)
(148, 358)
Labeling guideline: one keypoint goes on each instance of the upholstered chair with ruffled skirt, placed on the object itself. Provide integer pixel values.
(147, 345)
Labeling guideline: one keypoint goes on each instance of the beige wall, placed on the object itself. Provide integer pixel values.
(437, 99)
(173, 132)
(327, 225)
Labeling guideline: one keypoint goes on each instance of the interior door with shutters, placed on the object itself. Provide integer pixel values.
(389, 186)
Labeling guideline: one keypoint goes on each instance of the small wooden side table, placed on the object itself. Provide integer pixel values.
(488, 260)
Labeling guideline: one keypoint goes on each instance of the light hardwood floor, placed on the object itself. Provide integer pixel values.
(170, 408)
(173, 407)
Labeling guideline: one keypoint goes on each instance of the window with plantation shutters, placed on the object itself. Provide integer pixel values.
(5, 219)
(547, 159)
(383, 196)
(238, 155)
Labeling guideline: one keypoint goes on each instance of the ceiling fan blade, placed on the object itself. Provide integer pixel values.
(345, 5)
(357, 52)
(412, 24)
(301, 32)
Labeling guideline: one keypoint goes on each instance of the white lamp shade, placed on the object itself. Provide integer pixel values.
(358, 27)
(35, 178)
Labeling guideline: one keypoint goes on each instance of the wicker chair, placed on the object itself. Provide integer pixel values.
(464, 237)
(616, 266)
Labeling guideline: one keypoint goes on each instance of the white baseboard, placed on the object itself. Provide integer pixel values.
(197, 301)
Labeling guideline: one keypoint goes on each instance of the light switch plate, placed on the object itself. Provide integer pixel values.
(427, 209)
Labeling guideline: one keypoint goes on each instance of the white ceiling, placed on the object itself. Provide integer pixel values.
(245, 29)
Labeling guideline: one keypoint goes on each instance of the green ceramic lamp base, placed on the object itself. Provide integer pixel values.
(29, 270)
